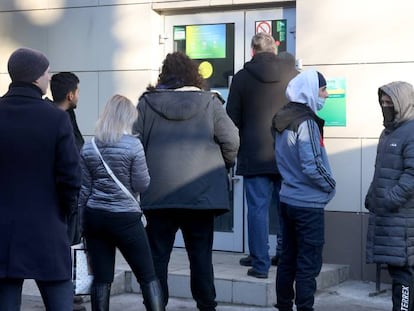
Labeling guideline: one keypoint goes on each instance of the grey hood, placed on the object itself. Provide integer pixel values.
(402, 96)
(304, 89)
(176, 104)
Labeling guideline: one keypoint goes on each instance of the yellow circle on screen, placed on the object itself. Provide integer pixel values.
(205, 69)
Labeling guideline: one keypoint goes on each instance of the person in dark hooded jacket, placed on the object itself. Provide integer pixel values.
(257, 92)
(390, 198)
(189, 141)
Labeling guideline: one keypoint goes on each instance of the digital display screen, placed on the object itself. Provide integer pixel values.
(206, 41)
(211, 46)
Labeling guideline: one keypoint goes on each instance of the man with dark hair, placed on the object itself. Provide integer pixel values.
(39, 183)
(65, 91)
(257, 92)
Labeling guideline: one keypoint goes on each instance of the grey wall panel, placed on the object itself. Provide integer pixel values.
(345, 242)
(345, 159)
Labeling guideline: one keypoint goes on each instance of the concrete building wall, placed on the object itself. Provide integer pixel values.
(113, 45)
(112, 48)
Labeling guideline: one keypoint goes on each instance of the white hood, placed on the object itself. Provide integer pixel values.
(304, 89)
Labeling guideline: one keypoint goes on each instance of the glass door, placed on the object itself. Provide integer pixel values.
(216, 42)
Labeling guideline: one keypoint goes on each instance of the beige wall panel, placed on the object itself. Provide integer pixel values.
(369, 152)
(128, 37)
(4, 83)
(364, 118)
(256, 1)
(106, 38)
(115, 2)
(18, 29)
(11, 5)
(73, 45)
(221, 2)
(345, 160)
(52, 4)
(128, 83)
(353, 31)
(87, 111)
(180, 4)
(71, 3)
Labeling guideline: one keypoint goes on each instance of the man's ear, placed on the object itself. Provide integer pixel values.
(36, 82)
(70, 96)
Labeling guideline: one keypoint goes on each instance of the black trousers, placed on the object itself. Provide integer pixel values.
(106, 231)
(402, 287)
(56, 295)
(197, 227)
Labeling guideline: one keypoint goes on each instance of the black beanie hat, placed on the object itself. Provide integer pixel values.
(321, 79)
(27, 65)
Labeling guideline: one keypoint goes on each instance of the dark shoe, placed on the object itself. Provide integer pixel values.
(246, 261)
(275, 260)
(78, 307)
(153, 297)
(100, 296)
(256, 274)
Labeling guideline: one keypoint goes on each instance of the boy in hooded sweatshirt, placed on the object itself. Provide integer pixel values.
(390, 197)
(307, 186)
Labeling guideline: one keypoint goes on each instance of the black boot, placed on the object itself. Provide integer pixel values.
(100, 296)
(153, 297)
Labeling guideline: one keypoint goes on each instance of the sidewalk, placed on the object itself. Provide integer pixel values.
(347, 296)
(235, 290)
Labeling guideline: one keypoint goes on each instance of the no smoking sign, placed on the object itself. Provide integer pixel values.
(264, 26)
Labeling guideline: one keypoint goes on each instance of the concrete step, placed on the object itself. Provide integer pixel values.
(232, 283)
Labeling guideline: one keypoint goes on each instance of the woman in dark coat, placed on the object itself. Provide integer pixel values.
(189, 141)
(39, 183)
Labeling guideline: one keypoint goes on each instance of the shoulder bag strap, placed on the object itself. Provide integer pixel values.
(108, 169)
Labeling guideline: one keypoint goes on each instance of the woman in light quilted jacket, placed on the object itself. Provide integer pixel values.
(112, 218)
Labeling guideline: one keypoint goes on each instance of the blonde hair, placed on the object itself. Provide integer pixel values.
(116, 119)
(263, 42)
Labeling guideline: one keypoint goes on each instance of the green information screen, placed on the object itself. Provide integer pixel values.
(334, 111)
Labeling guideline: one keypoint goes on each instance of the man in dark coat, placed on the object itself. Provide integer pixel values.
(65, 92)
(39, 181)
(257, 92)
(390, 198)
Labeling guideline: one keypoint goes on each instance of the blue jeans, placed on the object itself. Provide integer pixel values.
(56, 295)
(260, 190)
(301, 260)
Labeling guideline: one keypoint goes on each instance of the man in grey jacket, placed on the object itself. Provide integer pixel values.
(307, 186)
(390, 198)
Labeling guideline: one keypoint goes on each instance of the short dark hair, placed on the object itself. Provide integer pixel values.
(61, 84)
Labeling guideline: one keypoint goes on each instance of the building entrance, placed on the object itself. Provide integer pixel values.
(220, 43)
